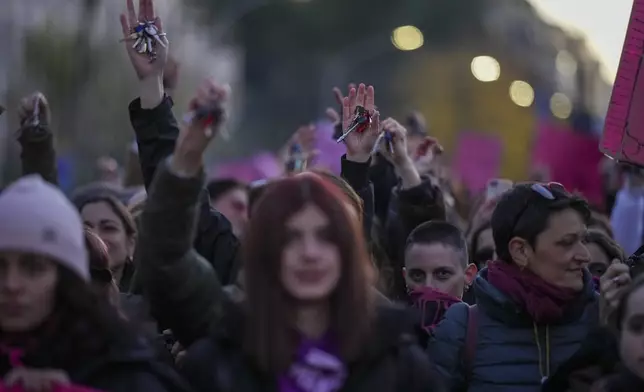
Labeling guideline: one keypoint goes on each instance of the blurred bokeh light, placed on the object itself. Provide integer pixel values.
(407, 38)
(566, 63)
(560, 106)
(486, 68)
(521, 93)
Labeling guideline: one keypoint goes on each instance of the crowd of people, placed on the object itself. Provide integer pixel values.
(387, 277)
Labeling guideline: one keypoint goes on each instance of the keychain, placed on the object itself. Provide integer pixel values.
(31, 123)
(424, 147)
(35, 115)
(146, 37)
(361, 122)
(209, 115)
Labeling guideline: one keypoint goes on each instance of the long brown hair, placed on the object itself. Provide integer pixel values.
(270, 334)
(344, 186)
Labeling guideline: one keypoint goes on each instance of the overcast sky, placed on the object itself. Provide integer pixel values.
(603, 22)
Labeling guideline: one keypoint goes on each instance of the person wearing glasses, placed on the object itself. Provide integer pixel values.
(535, 303)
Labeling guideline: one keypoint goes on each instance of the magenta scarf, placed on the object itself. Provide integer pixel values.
(15, 360)
(544, 302)
(432, 304)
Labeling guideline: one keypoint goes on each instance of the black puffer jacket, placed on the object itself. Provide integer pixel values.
(187, 296)
(126, 368)
(392, 362)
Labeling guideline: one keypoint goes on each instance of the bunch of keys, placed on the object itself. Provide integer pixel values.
(424, 147)
(34, 121)
(207, 114)
(296, 163)
(386, 137)
(146, 36)
(361, 122)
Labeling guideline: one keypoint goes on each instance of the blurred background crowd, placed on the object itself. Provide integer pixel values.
(498, 82)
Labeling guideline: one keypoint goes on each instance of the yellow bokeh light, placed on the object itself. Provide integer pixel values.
(486, 68)
(560, 106)
(407, 38)
(521, 93)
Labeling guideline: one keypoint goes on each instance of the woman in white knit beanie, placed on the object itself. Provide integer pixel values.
(54, 328)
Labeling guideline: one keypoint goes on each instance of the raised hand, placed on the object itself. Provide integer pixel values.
(360, 144)
(299, 151)
(331, 113)
(195, 136)
(108, 169)
(34, 110)
(613, 285)
(397, 155)
(142, 64)
(424, 156)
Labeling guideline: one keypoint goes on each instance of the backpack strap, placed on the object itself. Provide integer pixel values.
(471, 340)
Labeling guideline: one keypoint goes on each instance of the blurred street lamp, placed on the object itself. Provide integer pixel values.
(486, 68)
(560, 106)
(407, 38)
(521, 93)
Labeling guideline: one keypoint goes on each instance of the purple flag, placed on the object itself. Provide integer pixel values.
(330, 151)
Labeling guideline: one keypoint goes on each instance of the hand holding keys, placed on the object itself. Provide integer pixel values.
(360, 123)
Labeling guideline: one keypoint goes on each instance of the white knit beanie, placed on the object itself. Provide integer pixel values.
(36, 217)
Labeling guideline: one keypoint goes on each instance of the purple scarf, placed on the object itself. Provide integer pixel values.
(544, 302)
(316, 369)
(432, 305)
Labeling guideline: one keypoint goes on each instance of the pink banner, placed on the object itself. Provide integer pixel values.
(572, 157)
(477, 159)
(258, 167)
(330, 151)
(266, 165)
(623, 136)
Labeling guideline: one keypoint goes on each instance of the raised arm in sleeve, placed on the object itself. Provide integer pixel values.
(156, 133)
(356, 174)
(408, 208)
(183, 289)
(37, 154)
